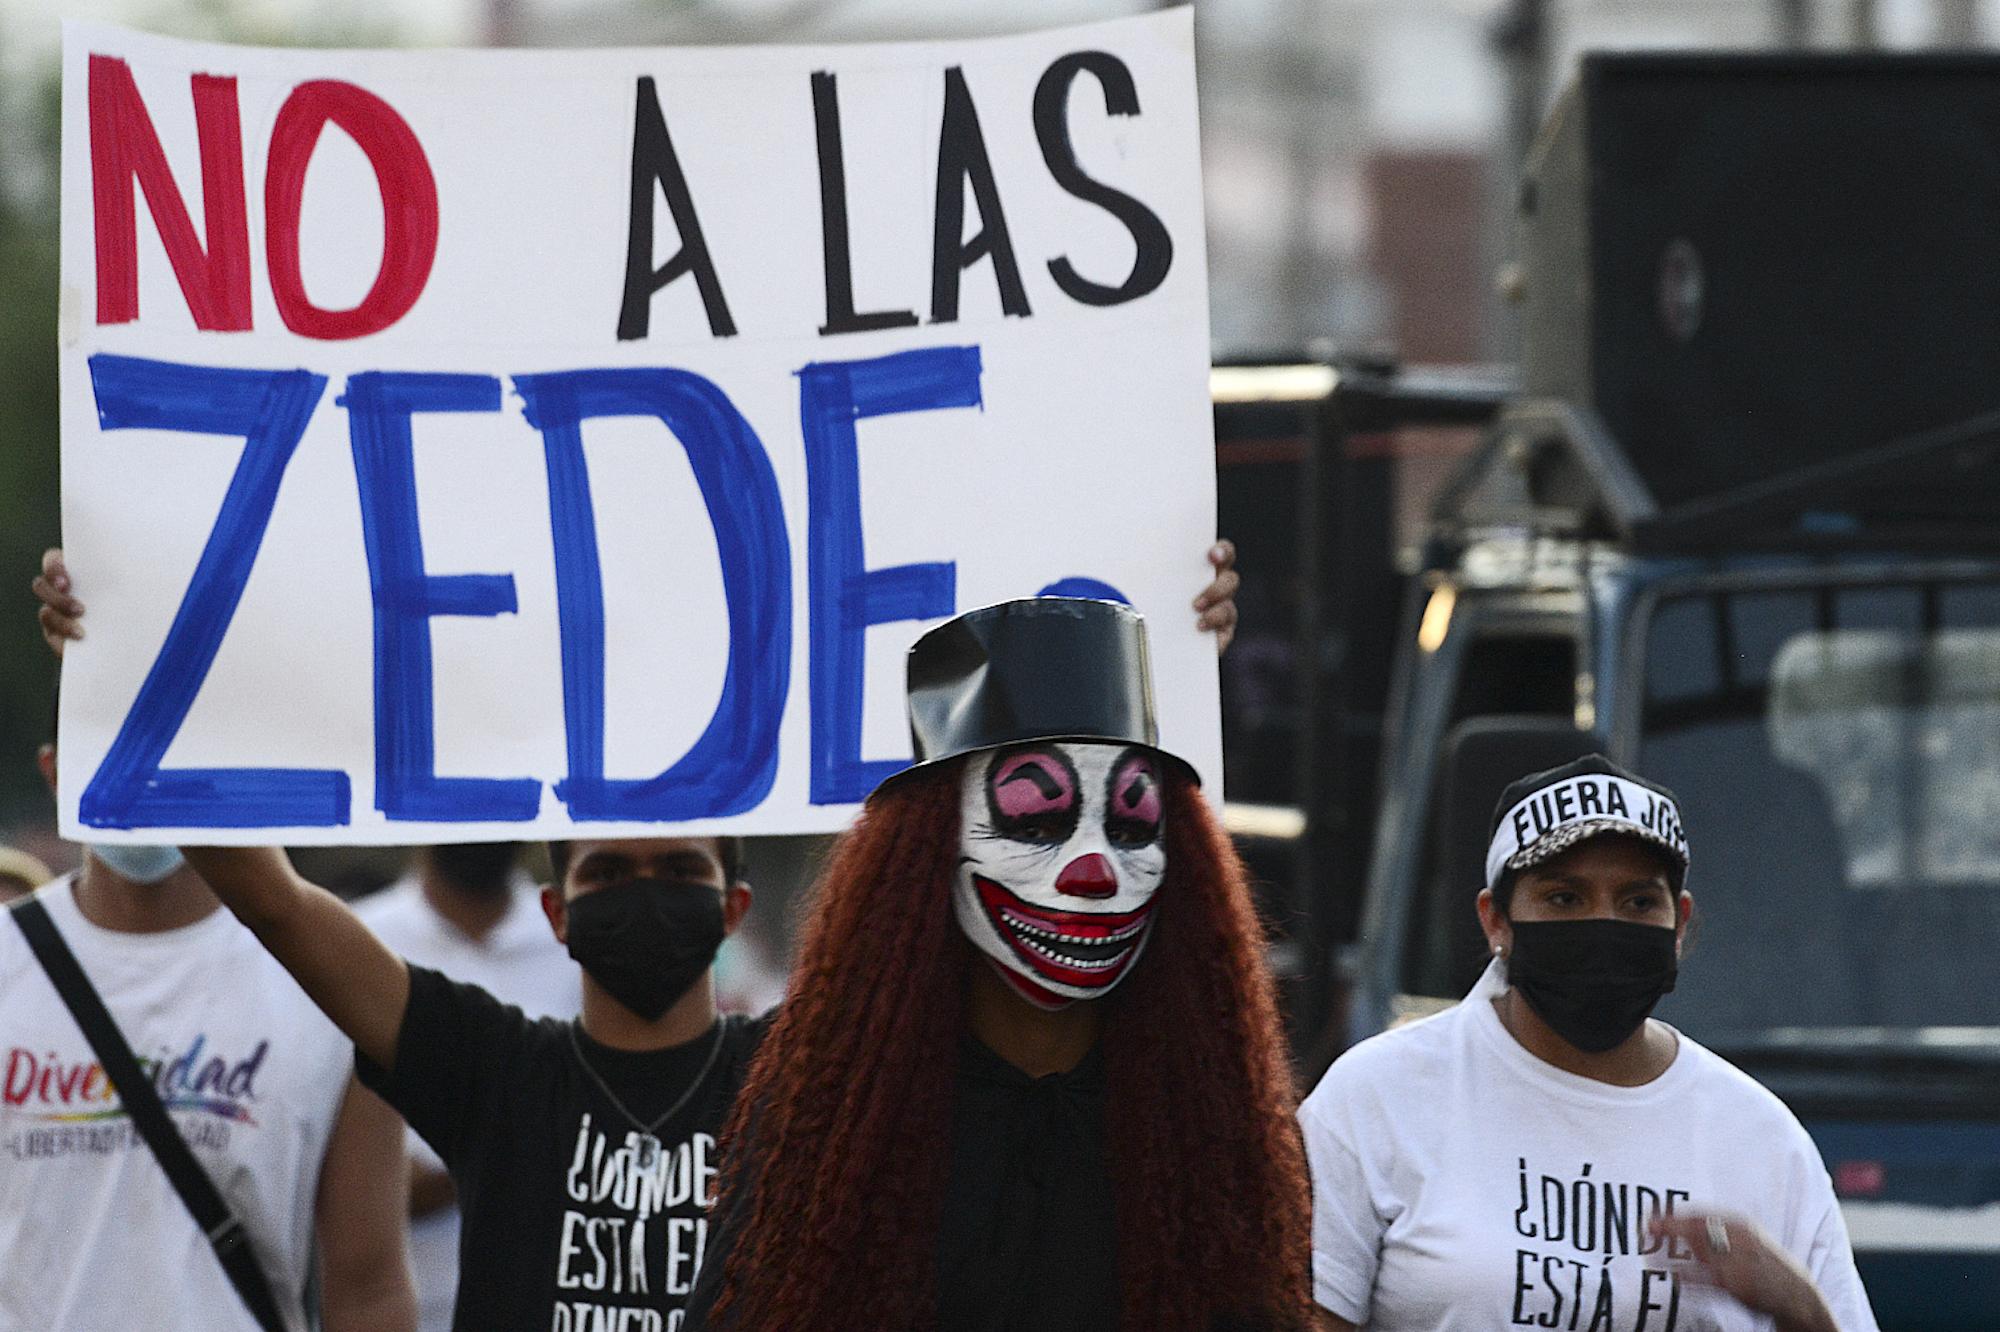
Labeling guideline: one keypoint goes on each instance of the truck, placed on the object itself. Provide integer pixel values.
(1735, 522)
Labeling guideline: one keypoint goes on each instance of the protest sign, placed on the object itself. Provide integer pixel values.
(504, 444)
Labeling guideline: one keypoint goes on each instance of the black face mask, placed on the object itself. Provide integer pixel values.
(647, 940)
(1592, 981)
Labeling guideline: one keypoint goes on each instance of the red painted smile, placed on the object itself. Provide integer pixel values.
(1081, 949)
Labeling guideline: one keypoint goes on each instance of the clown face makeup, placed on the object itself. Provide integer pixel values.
(1060, 855)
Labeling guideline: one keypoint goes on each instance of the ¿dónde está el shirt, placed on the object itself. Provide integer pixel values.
(1461, 1184)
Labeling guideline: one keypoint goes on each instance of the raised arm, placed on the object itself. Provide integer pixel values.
(346, 970)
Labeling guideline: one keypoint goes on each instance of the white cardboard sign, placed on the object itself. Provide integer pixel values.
(504, 444)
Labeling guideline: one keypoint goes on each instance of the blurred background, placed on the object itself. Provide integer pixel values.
(1360, 156)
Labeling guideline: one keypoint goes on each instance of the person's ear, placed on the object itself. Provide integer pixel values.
(557, 911)
(736, 899)
(1493, 922)
(1683, 914)
(45, 759)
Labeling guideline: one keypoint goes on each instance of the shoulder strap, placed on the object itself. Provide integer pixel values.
(135, 1090)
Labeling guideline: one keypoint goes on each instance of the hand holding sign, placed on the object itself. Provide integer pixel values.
(1217, 601)
(61, 614)
(599, 483)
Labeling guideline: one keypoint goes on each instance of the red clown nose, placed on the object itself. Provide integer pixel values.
(1087, 876)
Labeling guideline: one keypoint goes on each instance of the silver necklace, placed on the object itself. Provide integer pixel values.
(648, 1143)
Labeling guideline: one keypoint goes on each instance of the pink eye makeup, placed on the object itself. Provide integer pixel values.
(1033, 796)
(1132, 814)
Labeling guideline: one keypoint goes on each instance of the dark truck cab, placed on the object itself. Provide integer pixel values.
(1753, 551)
(1830, 717)
(1814, 668)
(1737, 525)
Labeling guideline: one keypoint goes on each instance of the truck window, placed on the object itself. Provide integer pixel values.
(1512, 674)
(1518, 674)
(1907, 730)
(1837, 755)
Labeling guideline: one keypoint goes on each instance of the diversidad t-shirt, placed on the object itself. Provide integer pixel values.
(92, 1236)
(566, 1227)
(1460, 1184)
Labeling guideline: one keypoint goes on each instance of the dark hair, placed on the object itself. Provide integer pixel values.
(474, 866)
(729, 850)
(837, 1155)
(1503, 887)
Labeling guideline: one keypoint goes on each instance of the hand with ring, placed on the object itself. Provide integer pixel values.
(1733, 1254)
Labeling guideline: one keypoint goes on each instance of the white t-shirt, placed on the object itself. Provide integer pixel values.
(519, 962)
(95, 1239)
(1460, 1184)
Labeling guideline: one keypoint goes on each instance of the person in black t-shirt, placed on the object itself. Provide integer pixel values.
(1035, 1082)
(584, 1152)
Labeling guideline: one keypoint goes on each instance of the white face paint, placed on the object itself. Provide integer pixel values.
(1060, 853)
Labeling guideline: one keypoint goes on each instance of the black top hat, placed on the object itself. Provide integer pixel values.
(1042, 668)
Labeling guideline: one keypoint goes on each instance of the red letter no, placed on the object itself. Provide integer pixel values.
(409, 207)
(124, 146)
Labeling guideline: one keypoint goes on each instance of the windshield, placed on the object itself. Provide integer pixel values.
(1837, 754)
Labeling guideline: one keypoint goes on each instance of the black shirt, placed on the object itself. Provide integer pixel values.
(563, 1216)
(1029, 1237)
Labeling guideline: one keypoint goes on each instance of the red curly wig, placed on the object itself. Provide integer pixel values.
(840, 1216)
